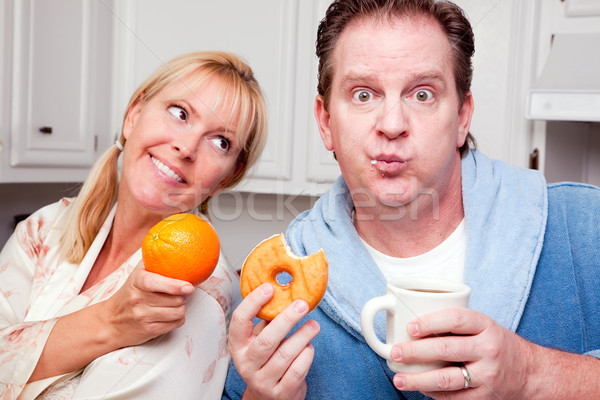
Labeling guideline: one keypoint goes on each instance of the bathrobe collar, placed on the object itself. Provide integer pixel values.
(505, 213)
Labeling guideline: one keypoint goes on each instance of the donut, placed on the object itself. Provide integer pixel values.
(269, 260)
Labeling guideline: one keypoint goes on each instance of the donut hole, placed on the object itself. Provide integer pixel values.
(283, 277)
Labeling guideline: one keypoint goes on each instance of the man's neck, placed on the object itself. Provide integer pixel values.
(410, 233)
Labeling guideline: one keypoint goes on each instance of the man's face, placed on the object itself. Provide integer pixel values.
(393, 117)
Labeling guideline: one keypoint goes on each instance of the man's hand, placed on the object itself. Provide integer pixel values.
(501, 364)
(273, 366)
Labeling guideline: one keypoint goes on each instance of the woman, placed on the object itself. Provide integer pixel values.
(79, 315)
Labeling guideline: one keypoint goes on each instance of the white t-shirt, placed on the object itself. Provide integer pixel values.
(446, 261)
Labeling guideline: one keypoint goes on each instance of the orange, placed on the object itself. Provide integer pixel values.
(182, 246)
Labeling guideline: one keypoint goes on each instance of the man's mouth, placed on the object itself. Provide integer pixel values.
(389, 165)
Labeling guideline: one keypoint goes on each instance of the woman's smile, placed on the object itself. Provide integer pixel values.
(166, 170)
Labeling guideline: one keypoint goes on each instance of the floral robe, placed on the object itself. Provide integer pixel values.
(36, 287)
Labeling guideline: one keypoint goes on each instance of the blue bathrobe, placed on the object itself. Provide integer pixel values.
(532, 261)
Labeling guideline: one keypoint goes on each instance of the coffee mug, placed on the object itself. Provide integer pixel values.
(406, 299)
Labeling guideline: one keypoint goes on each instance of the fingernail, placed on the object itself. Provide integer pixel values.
(399, 381)
(396, 354)
(301, 306)
(188, 289)
(413, 329)
(266, 289)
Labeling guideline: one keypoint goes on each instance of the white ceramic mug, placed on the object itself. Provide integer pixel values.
(406, 299)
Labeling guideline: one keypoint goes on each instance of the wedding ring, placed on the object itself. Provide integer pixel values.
(467, 376)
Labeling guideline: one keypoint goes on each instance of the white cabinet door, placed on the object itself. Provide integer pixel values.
(56, 93)
(274, 36)
(321, 165)
(263, 32)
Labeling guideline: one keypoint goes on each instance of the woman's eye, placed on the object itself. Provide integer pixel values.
(222, 143)
(362, 96)
(423, 95)
(178, 113)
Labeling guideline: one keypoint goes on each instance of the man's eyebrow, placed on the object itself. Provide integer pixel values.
(416, 77)
(357, 77)
(431, 75)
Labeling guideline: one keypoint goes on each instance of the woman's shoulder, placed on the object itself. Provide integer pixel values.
(45, 220)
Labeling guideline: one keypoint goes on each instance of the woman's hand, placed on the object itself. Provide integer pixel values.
(273, 366)
(501, 364)
(146, 306)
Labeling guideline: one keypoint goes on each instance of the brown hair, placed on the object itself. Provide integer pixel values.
(237, 86)
(451, 18)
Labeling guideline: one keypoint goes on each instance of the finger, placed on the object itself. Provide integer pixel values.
(273, 334)
(294, 377)
(152, 282)
(159, 299)
(291, 348)
(447, 379)
(459, 321)
(242, 325)
(258, 328)
(445, 348)
(166, 314)
(156, 329)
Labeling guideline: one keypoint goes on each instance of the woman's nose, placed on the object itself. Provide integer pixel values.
(186, 146)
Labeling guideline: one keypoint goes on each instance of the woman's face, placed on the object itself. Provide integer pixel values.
(180, 148)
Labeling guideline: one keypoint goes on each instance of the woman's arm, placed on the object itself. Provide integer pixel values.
(146, 306)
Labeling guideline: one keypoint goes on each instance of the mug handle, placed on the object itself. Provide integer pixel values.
(367, 315)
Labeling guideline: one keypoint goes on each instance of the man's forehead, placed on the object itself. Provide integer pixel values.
(410, 47)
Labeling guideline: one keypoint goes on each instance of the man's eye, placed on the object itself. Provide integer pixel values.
(178, 113)
(221, 143)
(423, 95)
(362, 96)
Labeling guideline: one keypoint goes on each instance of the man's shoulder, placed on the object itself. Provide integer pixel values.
(577, 203)
(573, 192)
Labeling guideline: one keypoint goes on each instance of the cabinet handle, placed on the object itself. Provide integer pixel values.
(46, 130)
(534, 159)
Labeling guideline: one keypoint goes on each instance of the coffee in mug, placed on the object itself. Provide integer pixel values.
(407, 299)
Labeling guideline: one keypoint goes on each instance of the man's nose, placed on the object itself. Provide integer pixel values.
(393, 119)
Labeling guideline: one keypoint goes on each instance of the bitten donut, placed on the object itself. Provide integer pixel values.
(273, 257)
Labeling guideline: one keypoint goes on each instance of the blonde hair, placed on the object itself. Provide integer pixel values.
(237, 87)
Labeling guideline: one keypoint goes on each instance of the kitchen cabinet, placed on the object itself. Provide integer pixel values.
(77, 80)
(276, 37)
(570, 148)
(55, 79)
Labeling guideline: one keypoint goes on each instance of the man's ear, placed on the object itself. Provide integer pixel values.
(464, 119)
(131, 117)
(322, 116)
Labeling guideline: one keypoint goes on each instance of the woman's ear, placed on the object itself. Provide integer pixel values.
(322, 116)
(131, 117)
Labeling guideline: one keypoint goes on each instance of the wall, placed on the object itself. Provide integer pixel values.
(573, 152)
(25, 198)
(242, 220)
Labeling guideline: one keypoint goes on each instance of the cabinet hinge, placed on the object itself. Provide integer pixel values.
(95, 142)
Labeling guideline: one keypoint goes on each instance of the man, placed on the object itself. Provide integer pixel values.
(395, 106)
